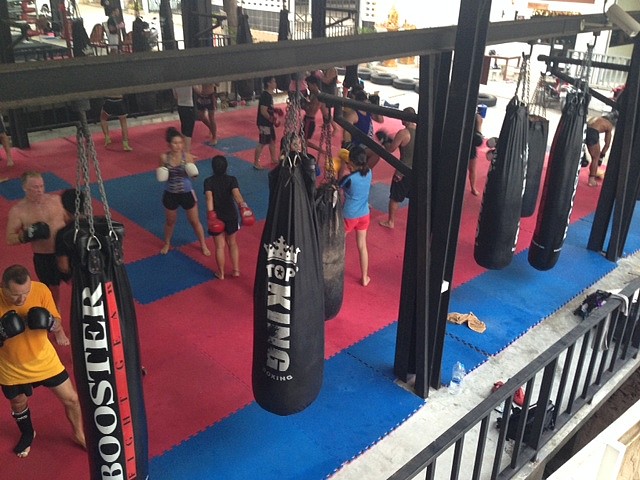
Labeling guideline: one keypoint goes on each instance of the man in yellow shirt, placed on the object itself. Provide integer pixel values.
(27, 357)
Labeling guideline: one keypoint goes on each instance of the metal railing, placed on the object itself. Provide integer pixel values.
(601, 78)
(568, 374)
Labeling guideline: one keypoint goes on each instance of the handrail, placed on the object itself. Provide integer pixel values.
(608, 324)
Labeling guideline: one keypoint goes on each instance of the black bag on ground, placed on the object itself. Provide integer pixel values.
(514, 419)
(288, 299)
(538, 136)
(499, 220)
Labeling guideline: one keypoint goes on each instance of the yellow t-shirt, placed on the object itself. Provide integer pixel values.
(30, 356)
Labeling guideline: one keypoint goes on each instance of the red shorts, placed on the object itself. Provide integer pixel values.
(360, 223)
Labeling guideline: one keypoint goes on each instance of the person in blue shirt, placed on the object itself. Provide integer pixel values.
(356, 185)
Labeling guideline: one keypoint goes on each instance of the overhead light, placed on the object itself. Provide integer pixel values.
(621, 19)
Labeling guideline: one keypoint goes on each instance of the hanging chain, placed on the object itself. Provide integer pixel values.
(585, 68)
(539, 101)
(83, 179)
(523, 79)
(87, 152)
(292, 123)
(326, 150)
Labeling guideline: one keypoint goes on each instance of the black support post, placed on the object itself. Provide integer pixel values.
(451, 164)
(619, 189)
(17, 120)
(319, 18)
(197, 23)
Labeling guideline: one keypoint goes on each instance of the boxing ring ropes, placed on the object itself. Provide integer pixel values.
(448, 89)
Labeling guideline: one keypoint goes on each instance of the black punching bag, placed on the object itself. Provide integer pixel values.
(538, 135)
(332, 241)
(499, 220)
(560, 183)
(288, 300)
(106, 358)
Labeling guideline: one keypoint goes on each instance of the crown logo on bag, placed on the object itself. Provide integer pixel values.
(279, 250)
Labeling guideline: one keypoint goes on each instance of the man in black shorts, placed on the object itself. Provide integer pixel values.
(266, 122)
(400, 185)
(36, 219)
(206, 102)
(186, 113)
(596, 126)
(115, 107)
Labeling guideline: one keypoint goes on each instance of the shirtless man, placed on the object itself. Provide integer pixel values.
(596, 126)
(36, 219)
(206, 103)
(311, 105)
(400, 186)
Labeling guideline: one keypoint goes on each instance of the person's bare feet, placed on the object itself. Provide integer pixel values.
(165, 249)
(593, 181)
(365, 281)
(61, 338)
(386, 224)
(10, 163)
(474, 192)
(257, 166)
(235, 273)
(205, 251)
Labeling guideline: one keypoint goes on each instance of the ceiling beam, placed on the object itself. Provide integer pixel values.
(40, 83)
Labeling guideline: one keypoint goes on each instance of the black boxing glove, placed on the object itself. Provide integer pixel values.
(39, 318)
(11, 324)
(346, 145)
(384, 138)
(36, 231)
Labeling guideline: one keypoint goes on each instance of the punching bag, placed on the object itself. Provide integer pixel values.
(560, 183)
(288, 300)
(538, 136)
(499, 219)
(106, 358)
(332, 240)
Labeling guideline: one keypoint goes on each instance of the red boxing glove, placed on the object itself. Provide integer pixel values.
(214, 224)
(278, 111)
(248, 218)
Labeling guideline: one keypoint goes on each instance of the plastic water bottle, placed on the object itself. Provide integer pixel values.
(457, 377)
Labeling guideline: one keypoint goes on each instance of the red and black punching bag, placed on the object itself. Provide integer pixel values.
(288, 295)
(499, 220)
(106, 353)
(560, 183)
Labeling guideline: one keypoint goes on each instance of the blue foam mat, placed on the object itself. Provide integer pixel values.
(236, 144)
(512, 300)
(378, 350)
(172, 273)
(254, 443)
(139, 198)
(457, 350)
(12, 189)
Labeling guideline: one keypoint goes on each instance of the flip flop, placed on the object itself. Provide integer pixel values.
(475, 324)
